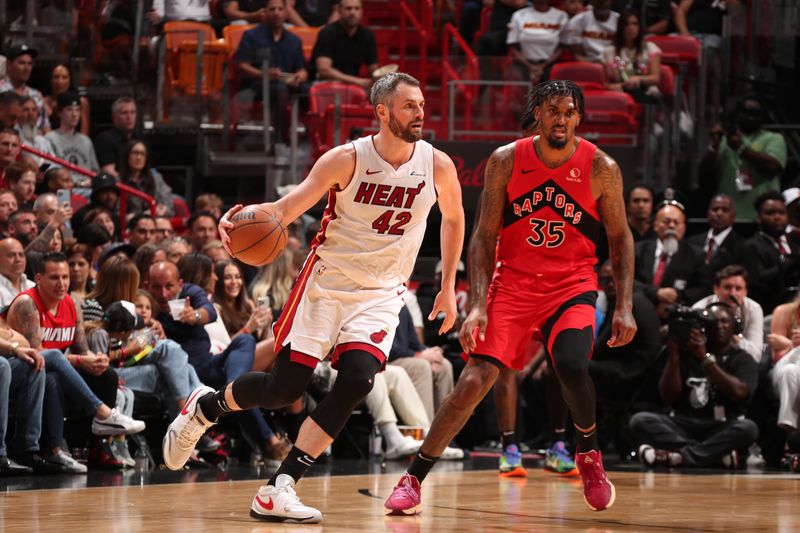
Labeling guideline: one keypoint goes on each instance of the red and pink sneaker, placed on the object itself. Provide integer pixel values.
(406, 498)
(598, 492)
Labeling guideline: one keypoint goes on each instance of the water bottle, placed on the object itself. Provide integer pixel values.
(375, 441)
(142, 460)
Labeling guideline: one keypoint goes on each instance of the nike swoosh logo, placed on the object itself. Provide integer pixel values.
(268, 505)
(371, 172)
(401, 291)
(184, 411)
(528, 171)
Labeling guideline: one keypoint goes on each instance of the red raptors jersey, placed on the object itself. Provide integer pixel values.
(58, 331)
(550, 224)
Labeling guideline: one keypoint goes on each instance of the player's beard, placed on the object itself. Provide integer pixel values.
(407, 134)
(558, 144)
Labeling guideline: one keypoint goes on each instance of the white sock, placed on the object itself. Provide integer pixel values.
(391, 435)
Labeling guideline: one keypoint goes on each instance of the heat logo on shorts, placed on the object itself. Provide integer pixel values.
(378, 336)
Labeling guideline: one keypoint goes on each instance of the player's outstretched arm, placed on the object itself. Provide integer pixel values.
(483, 244)
(333, 170)
(607, 177)
(451, 236)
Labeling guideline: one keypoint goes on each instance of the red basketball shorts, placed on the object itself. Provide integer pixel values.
(514, 315)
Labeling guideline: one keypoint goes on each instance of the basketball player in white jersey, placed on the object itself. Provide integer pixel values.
(347, 297)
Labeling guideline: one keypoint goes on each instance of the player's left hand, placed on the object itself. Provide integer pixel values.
(226, 225)
(623, 328)
(445, 303)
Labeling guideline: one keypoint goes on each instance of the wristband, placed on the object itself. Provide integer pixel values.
(78, 361)
(245, 330)
(123, 352)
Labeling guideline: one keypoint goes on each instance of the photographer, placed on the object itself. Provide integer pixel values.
(707, 382)
(743, 159)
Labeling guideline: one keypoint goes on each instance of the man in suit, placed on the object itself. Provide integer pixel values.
(771, 260)
(669, 270)
(721, 245)
(616, 371)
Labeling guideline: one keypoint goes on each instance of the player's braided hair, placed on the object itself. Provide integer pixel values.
(546, 90)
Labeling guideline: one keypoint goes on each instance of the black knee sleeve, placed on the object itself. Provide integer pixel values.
(275, 389)
(357, 371)
(571, 351)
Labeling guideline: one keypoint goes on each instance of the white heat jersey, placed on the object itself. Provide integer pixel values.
(372, 230)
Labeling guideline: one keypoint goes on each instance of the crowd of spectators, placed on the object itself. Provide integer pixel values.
(102, 307)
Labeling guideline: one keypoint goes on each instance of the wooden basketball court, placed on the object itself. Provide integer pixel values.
(454, 501)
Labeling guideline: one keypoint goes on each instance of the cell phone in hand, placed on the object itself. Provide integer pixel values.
(64, 196)
(263, 302)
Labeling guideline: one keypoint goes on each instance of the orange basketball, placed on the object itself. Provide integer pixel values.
(258, 236)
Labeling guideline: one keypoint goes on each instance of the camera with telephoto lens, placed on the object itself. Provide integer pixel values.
(683, 319)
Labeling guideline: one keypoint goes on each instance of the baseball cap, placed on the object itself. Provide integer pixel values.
(19, 50)
(121, 316)
(791, 195)
(67, 99)
(103, 181)
(113, 249)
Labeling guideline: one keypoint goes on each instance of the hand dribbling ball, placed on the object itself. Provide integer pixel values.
(258, 237)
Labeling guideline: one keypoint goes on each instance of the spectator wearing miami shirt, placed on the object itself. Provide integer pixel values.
(534, 34)
(590, 32)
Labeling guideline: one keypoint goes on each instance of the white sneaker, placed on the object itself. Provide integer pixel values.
(116, 424)
(281, 504)
(407, 446)
(452, 454)
(185, 431)
(67, 463)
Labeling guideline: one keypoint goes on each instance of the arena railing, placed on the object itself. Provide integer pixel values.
(124, 190)
(450, 73)
(407, 16)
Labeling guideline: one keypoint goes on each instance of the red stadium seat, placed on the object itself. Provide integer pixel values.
(323, 94)
(666, 80)
(322, 98)
(308, 36)
(677, 49)
(589, 76)
(610, 118)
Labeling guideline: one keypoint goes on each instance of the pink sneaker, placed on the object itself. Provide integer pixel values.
(406, 498)
(598, 492)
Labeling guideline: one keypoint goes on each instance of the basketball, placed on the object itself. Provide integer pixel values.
(257, 237)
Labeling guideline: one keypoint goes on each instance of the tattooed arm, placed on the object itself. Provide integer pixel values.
(483, 244)
(23, 316)
(42, 242)
(80, 345)
(607, 180)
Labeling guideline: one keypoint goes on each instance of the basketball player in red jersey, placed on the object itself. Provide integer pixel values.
(348, 295)
(549, 194)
